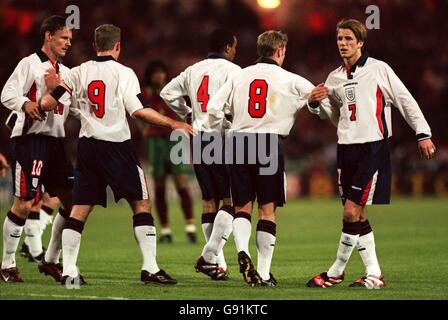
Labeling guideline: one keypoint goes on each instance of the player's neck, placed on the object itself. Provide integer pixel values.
(353, 59)
(45, 49)
(113, 54)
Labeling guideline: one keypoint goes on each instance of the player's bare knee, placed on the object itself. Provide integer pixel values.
(209, 206)
(266, 214)
(140, 206)
(22, 208)
(227, 201)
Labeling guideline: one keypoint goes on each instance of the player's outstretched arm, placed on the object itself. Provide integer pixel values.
(153, 117)
(3, 165)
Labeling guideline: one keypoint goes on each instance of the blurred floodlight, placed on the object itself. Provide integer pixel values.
(268, 4)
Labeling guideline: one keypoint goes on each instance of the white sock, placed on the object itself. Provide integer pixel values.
(222, 228)
(207, 228)
(190, 228)
(346, 245)
(366, 248)
(146, 239)
(221, 261)
(55, 245)
(11, 239)
(265, 248)
(165, 231)
(242, 230)
(71, 241)
(33, 233)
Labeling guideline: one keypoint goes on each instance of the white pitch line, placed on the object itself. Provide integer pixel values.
(67, 296)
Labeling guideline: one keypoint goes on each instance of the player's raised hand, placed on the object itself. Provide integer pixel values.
(318, 94)
(33, 110)
(178, 125)
(3, 166)
(427, 149)
(52, 79)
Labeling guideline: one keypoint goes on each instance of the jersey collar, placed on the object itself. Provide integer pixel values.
(361, 62)
(215, 55)
(44, 58)
(42, 55)
(104, 58)
(267, 60)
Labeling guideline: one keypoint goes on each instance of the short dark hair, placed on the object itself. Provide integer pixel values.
(106, 36)
(52, 24)
(152, 67)
(358, 29)
(220, 38)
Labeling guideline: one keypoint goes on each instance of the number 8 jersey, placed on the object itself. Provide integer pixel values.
(102, 91)
(262, 98)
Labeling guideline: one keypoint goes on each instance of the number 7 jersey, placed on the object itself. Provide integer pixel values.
(200, 82)
(102, 91)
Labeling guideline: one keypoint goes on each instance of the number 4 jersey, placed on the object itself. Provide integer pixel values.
(102, 91)
(199, 82)
(262, 98)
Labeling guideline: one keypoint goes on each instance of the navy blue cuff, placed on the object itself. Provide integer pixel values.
(422, 136)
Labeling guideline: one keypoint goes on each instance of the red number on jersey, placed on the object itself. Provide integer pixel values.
(59, 109)
(352, 108)
(258, 93)
(96, 91)
(203, 96)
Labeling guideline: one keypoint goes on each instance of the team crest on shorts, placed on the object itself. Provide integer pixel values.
(35, 182)
(350, 94)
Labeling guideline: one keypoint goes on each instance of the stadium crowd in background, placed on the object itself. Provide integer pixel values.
(151, 30)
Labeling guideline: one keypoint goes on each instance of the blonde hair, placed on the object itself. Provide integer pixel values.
(106, 36)
(269, 41)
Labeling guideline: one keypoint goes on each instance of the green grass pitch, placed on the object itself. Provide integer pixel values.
(411, 237)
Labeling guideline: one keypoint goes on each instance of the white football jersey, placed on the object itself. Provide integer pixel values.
(102, 91)
(200, 82)
(27, 83)
(262, 98)
(362, 98)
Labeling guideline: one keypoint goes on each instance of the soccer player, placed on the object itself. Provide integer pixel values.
(38, 155)
(361, 93)
(102, 91)
(200, 82)
(263, 100)
(159, 147)
(42, 209)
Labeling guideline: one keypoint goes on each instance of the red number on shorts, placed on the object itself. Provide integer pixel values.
(352, 108)
(203, 96)
(97, 92)
(258, 93)
(37, 167)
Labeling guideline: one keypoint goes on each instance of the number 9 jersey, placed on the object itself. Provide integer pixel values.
(102, 91)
